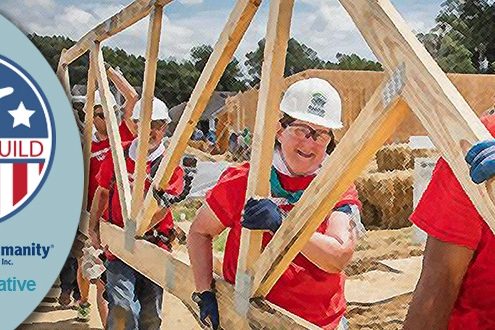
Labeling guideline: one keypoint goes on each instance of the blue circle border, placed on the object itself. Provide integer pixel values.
(54, 138)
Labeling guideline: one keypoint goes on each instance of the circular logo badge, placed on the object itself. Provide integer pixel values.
(26, 138)
(41, 179)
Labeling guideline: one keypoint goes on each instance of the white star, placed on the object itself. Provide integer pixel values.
(21, 116)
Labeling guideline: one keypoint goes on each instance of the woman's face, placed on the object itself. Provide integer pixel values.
(303, 146)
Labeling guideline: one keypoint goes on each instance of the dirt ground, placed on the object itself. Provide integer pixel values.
(385, 261)
(380, 280)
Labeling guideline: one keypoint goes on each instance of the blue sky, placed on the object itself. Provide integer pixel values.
(321, 24)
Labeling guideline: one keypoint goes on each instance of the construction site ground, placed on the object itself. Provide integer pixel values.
(381, 278)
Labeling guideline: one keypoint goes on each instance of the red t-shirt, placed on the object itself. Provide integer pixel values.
(99, 150)
(125, 133)
(446, 213)
(304, 289)
(106, 179)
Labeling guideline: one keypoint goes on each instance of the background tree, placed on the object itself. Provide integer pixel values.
(232, 79)
(463, 39)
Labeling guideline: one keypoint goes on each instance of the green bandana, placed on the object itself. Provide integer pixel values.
(279, 191)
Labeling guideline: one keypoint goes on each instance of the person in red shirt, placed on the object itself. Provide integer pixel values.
(100, 148)
(313, 285)
(456, 289)
(133, 299)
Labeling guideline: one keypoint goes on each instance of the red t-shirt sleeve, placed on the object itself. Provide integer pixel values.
(446, 212)
(106, 173)
(350, 197)
(176, 183)
(226, 199)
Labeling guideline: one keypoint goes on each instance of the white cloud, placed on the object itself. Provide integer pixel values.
(321, 24)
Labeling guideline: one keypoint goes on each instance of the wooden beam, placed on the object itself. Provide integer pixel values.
(120, 167)
(450, 122)
(367, 134)
(131, 14)
(154, 33)
(88, 127)
(267, 116)
(176, 277)
(224, 49)
(63, 74)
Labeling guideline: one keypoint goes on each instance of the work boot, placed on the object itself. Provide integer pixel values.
(64, 298)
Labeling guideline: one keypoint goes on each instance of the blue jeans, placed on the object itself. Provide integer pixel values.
(132, 298)
(68, 278)
(344, 323)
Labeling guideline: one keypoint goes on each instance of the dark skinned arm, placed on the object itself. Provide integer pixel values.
(444, 267)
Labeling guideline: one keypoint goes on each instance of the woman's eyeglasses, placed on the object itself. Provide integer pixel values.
(155, 124)
(305, 131)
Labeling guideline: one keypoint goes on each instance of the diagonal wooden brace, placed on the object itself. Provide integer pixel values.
(367, 134)
(450, 122)
(224, 49)
(131, 14)
(121, 176)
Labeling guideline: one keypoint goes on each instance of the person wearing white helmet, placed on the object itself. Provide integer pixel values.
(313, 285)
(133, 299)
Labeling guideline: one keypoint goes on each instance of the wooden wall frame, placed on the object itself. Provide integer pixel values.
(416, 83)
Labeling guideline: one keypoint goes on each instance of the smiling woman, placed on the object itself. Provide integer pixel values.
(311, 110)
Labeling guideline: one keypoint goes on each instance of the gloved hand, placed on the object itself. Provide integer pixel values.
(162, 198)
(481, 158)
(208, 308)
(262, 214)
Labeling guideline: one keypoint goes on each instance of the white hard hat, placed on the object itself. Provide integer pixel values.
(159, 112)
(313, 100)
(98, 101)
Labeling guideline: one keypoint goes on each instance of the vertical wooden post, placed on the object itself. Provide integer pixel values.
(88, 126)
(63, 73)
(267, 116)
(154, 33)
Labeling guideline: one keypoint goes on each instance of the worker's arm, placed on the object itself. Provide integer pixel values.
(444, 267)
(205, 227)
(333, 250)
(98, 207)
(129, 93)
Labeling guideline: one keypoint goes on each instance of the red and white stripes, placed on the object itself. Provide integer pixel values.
(17, 181)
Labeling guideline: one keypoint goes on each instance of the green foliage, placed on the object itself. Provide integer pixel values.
(464, 38)
(176, 78)
(301, 57)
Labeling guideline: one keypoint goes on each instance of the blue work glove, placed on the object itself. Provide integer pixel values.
(208, 308)
(262, 214)
(481, 158)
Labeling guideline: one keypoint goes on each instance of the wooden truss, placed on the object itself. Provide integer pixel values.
(415, 83)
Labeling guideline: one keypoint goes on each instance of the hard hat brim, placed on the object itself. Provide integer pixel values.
(317, 120)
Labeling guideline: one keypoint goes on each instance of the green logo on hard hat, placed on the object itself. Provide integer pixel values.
(317, 104)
